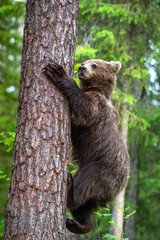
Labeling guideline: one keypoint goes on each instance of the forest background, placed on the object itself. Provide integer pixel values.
(115, 30)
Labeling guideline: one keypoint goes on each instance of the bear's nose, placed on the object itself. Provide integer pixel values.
(82, 69)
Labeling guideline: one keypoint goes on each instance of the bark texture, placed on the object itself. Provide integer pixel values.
(37, 192)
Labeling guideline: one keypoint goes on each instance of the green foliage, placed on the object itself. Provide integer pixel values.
(103, 215)
(109, 236)
(69, 214)
(137, 122)
(11, 26)
(127, 216)
(88, 50)
(4, 176)
(1, 227)
(72, 168)
(8, 141)
(77, 65)
(112, 236)
(122, 97)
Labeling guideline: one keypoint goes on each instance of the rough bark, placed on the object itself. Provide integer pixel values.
(130, 224)
(37, 192)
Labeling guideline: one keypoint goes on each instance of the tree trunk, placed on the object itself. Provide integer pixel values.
(37, 193)
(130, 224)
(118, 213)
(118, 209)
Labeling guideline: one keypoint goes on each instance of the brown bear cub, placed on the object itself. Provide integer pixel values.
(98, 147)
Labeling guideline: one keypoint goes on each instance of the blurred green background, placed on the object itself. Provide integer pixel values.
(115, 30)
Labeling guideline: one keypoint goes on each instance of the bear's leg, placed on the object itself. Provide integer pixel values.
(70, 198)
(82, 222)
(84, 195)
(86, 185)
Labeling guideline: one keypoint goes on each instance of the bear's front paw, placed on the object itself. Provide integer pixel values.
(54, 71)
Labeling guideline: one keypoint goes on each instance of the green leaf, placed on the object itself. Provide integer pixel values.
(106, 235)
(8, 141)
(69, 214)
(114, 223)
(130, 214)
(73, 171)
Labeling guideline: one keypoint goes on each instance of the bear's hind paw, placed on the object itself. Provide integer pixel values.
(75, 227)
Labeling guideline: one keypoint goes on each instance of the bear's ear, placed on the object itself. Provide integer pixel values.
(115, 66)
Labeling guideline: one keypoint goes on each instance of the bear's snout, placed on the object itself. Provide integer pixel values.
(82, 69)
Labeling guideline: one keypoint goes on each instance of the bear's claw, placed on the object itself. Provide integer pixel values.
(54, 69)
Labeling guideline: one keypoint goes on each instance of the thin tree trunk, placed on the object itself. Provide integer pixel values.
(37, 192)
(118, 208)
(130, 224)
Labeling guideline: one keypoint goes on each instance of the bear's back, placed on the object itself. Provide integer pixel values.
(99, 141)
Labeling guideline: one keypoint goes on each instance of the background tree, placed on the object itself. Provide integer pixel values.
(37, 193)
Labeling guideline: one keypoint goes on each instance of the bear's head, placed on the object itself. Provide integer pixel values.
(97, 73)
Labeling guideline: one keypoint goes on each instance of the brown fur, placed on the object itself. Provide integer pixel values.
(97, 145)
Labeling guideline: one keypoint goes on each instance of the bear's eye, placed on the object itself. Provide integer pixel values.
(110, 81)
(94, 66)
